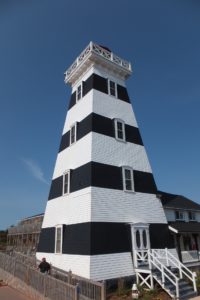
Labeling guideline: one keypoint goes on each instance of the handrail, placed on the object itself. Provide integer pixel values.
(163, 269)
(182, 268)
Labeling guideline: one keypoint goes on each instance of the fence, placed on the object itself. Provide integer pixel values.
(59, 286)
(48, 286)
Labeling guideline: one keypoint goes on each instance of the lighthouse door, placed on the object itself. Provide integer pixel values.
(140, 243)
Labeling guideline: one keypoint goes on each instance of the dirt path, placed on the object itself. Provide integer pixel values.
(8, 293)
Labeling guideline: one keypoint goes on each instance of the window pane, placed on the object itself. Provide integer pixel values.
(128, 182)
(120, 135)
(58, 239)
(112, 88)
(73, 134)
(112, 84)
(144, 236)
(66, 183)
(127, 174)
(128, 185)
(119, 126)
(79, 92)
(138, 239)
(58, 233)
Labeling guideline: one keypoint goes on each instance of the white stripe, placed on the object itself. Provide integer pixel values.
(96, 267)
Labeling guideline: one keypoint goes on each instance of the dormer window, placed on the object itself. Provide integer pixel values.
(128, 180)
(191, 216)
(73, 131)
(79, 92)
(112, 88)
(179, 215)
(120, 130)
(66, 182)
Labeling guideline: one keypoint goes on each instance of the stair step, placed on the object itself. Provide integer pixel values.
(187, 296)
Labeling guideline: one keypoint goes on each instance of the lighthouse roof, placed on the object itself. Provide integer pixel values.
(99, 55)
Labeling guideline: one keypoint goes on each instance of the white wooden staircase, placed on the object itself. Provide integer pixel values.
(161, 266)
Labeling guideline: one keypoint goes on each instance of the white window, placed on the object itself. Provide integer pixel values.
(179, 215)
(58, 238)
(120, 130)
(73, 131)
(79, 92)
(112, 88)
(66, 182)
(191, 216)
(128, 181)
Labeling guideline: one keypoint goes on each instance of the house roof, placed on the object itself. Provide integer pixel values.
(186, 226)
(177, 201)
(32, 217)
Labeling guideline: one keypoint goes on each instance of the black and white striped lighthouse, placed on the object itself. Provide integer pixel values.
(102, 203)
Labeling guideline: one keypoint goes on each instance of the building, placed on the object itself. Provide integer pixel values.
(183, 216)
(102, 200)
(3, 239)
(24, 237)
(104, 217)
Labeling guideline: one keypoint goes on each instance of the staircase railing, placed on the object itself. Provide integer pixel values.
(154, 262)
(172, 261)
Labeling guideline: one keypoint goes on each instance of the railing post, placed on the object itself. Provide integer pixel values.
(162, 273)
(135, 258)
(151, 280)
(15, 262)
(180, 270)
(27, 275)
(167, 258)
(103, 290)
(69, 276)
(149, 259)
(76, 292)
(194, 281)
(111, 56)
(91, 45)
(45, 285)
(177, 289)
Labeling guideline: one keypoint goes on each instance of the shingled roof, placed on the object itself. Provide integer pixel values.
(177, 201)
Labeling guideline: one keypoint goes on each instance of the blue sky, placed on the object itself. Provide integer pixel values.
(39, 39)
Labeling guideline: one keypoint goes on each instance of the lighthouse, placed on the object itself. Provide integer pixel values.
(103, 204)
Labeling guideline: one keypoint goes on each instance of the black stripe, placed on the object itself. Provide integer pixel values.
(101, 238)
(100, 84)
(56, 188)
(160, 236)
(47, 240)
(102, 175)
(102, 125)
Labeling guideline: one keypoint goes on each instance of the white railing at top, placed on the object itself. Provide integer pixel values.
(171, 260)
(101, 52)
(165, 272)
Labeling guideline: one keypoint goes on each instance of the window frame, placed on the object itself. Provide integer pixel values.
(79, 95)
(68, 182)
(110, 89)
(124, 168)
(180, 213)
(116, 121)
(74, 125)
(61, 239)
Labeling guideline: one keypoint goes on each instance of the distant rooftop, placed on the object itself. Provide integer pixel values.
(33, 217)
(177, 201)
(101, 55)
